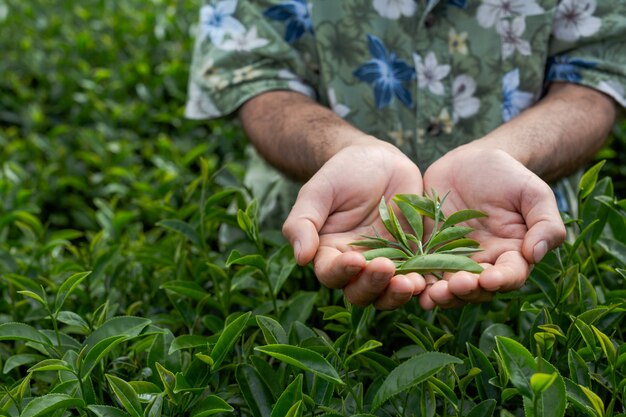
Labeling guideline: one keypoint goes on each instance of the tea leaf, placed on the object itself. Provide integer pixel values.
(107, 411)
(462, 216)
(550, 394)
(479, 360)
(413, 217)
(49, 403)
(446, 235)
(390, 253)
(188, 341)
(256, 394)
(189, 289)
(21, 331)
(95, 354)
(439, 262)
(577, 396)
(423, 205)
(272, 330)
(228, 338)
(518, 362)
(589, 179)
(68, 286)
(211, 405)
(181, 227)
(607, 345)
(302, 358)
(410, 373)
(126, 395)
(291, 396)
(383, 212)
(483, 409)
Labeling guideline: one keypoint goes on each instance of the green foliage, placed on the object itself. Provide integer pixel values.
(140, 275)
(446, 249)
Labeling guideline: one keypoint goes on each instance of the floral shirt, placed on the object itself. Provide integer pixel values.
(427, 75)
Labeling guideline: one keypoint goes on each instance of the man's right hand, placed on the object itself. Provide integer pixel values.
(339, 205)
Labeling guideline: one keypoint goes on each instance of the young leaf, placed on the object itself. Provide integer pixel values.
(303, 358)
(21, 331)
(211, 405)
(462, 216)
(390, 253)
(34, 296)
(484, 409)
(228, 338)
(290, 397)
(607, 346)
(98, 351)
(126, 395)
(107, 411)
(423, 205)
(413, 217)
(365, 347)
(189, 341)
(272, 330)
(51, 365)
(518, 362)
(256, 394)
(398, 233)
(411, 373)
(439, 262)
(540, 382)
(181, 227)
(479, 360)
(589, 179)
(188, 289)
(49, 403)
(580, 397)
(447, 235)
(118, 326)
(68, 286)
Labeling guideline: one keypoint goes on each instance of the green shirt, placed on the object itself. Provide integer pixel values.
(425, 75)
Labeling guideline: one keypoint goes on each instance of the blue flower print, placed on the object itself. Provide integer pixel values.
(295, 14)
(564, 68)
(387, 74)
(458, 3)
(215, 22)
(514, 100)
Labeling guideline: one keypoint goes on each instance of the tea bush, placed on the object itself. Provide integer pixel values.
(140, 276)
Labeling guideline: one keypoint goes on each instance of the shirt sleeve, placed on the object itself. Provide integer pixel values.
(246, 47)
(588, 46)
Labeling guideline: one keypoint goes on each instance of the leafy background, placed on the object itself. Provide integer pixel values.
(139, 274)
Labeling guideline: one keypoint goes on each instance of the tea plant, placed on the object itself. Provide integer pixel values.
(139, 275)
(446, 248)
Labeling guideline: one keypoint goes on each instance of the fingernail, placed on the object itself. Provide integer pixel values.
(540, 251)
(353, 270)
(297, 248)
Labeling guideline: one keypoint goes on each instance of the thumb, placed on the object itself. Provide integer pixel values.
(546, 230)
(308, 215)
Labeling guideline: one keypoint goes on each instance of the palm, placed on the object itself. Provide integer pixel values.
(338, 206)
(521, 214)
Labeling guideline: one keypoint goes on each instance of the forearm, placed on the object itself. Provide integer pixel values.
(296, 134)
(559, 134)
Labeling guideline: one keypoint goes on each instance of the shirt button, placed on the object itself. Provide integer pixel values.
(434, 129)
(430, 21)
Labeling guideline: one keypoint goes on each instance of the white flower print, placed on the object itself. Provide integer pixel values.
(217, 21)
(393, 9)
(245, 74)
(491, 12)
(464, 104)
(199, 105)
(243, 41)
(511, 34)
(574, 19)
(430, 73)
(613, 89)
(340, 109)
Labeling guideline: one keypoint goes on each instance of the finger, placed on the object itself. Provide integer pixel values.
(308, 215)
(508, 273)
(371, 283)
(466, 287)
(545, 226)
(335, 269)
(439, 294)
(398, 292)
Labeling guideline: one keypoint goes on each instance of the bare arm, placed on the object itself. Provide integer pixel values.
(559, 134)
(295, 134)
